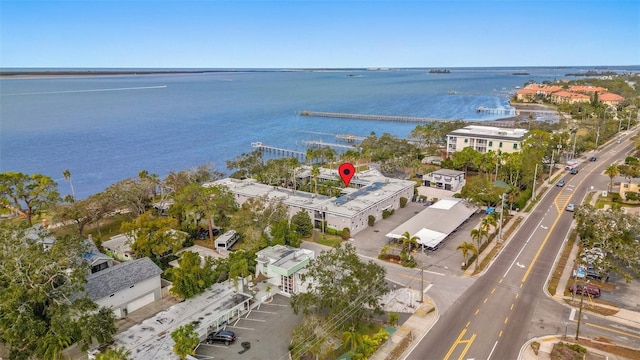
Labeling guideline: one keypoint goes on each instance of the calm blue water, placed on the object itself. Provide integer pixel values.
(105, 129)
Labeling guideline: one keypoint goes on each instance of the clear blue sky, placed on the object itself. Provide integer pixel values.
(277, 34)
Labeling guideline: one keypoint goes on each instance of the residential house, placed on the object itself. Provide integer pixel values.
(284, 267)
(446, 179)
(96, 260)
(569, 97)
(485, 138)
(125, 287)
(629, 185)
(610, 99)
(119, 246)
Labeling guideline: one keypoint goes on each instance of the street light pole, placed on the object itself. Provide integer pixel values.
(580, 311)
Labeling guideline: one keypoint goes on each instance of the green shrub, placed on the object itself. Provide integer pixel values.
(403, 202)
(630, 160)
(371, 220)
(386, 213)
(346, 233)
(631, 196)
(615, 197)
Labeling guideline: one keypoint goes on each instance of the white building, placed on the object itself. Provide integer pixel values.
(369, 193)
(284, 267)
(485, 138)
(446, 179)
(119, 246)
(125, 287)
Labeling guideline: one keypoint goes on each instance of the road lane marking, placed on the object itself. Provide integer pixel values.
(455, 344)
(500, 335)
(506, 319)
(521, 250)
(469, 323)
(467, 346)
(512, 305)
(613, 330)
(493, 348)
(572, 314)
(477, 311)
(485, 300)
(494, 290)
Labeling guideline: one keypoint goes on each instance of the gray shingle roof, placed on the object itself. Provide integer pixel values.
(118, 277)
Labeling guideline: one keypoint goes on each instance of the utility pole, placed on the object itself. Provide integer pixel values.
(422, 284)
(575, 135)
(501, 214)
(551, 166)
(535, 175)
(580, 311)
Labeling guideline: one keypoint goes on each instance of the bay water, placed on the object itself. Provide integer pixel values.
(104, 129)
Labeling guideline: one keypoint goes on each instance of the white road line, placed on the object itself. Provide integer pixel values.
(254, 320)
(263, 312)
(492, 349)
(427, 288)
(239, 327)
(522, 249)
(573, 313)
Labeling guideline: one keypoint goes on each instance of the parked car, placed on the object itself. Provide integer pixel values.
(204, 233)
(593, 274)
(587, 289)
(570, 207)
(560, 183)
(574, 171)
(618, 141)
(593, 158)
(224, 336)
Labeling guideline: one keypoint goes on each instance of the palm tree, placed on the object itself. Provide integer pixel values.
(611, 171)
(353, 339)
(488, 222)
(465, 247)
(408, 241)
(477, 235)
(67, 177)
(315, 172)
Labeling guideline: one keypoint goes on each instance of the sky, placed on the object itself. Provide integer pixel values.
(317, 34)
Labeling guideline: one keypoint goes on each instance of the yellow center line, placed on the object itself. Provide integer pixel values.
(614, 330)
(485, 300)
(477, 311)
(466, 348)
(494, 289)
(500, 335)
(455, 344)
(517, 295)
(512, 306)
(469, 323)
(506, 319)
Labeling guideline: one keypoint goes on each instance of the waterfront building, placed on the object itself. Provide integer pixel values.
(369, 193)
(485, 138)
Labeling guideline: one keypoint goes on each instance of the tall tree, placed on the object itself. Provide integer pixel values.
(86, 211)
(67, 177)
(246, 165)
(42, 310)
(36, 192)
(315, 172)
(611, 171)
(153, 237)
(477, 235)
(343, 287)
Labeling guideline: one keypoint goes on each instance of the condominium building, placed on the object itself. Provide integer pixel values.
(485, 138)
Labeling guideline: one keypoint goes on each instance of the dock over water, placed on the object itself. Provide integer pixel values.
(277, 151)
(369, 116)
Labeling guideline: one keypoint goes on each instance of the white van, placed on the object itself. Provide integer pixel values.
(571, 164)
(226, 240)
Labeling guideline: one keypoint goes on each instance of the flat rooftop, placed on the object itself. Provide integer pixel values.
(151, 339)
(490, 132)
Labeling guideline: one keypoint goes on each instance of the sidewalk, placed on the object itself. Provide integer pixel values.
(410, 333)
(546, 345)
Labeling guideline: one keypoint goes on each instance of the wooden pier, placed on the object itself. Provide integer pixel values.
(350, 138)
(370, 117)
(319, 144)
(277, 151)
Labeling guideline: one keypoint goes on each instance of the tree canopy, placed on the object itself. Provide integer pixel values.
(191, 277)
(344, 288)
(41, 309)
(35, 192)
(153, 237)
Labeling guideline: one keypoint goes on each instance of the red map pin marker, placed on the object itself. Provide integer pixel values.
(346, 172)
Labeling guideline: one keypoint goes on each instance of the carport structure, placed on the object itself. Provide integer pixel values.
(433, 224)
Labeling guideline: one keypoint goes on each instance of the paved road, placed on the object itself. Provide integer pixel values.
(495, 316)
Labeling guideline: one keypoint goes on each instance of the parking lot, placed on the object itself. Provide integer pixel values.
(267, 329)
